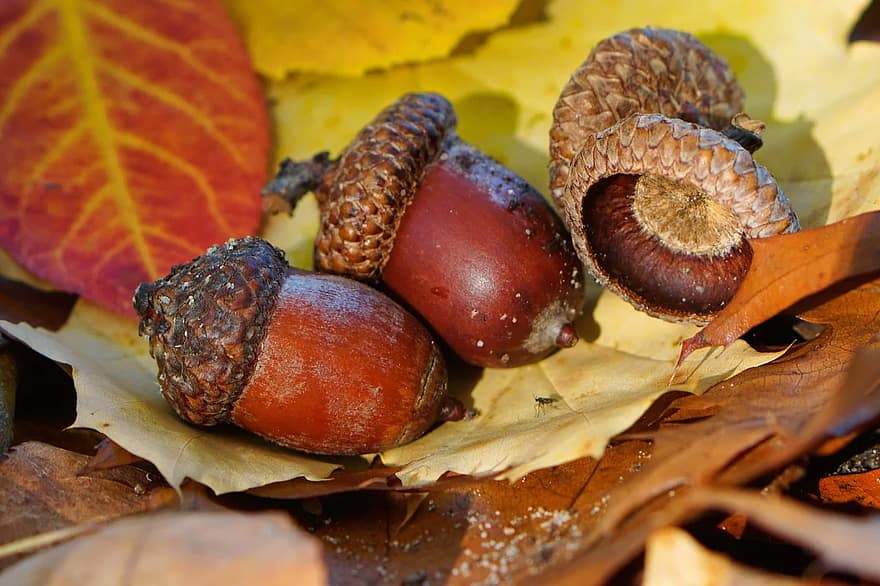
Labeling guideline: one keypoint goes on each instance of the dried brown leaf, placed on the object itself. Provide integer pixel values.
(798, 400)
(110, 455)
(189, 549)
(843, 543)
(782, 410)
(788, 268)
(43, 491)
(470, 531)
(347, 480)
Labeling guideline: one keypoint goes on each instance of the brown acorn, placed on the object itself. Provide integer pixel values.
(310, 361)
(651, 163)
(467, 244)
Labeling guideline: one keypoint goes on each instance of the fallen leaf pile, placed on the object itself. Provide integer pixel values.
(135, 136)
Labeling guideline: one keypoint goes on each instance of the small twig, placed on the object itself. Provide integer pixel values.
(293, 181)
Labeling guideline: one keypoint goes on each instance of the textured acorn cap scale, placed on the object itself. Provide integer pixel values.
(374, 181)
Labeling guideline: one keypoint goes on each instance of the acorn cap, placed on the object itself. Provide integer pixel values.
(206, 321)
(652, 144)
(375, 180)
(640, 71)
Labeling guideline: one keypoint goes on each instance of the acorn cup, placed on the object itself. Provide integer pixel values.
(310, 361)
(464, 242)
(651, 163)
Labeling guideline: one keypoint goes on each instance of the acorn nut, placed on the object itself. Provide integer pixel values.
(467, 244)
(651, 163)
(310, 361)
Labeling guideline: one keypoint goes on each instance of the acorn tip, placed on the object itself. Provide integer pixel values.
(567, 336)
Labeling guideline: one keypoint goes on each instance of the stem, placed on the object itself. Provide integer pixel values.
(746, 131)
(294, 180)
(743, 129)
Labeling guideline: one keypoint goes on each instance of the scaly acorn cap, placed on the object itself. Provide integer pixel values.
(206, 321)
(363, 195)
(378, 175)
(640, 71)
(719, 168)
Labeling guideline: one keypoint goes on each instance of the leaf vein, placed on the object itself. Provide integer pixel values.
(188, 169)
(109, 254)
(175, 101)
(33, 74)
(139, 32)
(41, 166)
(23, 23)
(97, 117)
(174, 239)
(92, 205)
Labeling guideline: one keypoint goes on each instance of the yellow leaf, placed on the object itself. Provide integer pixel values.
(588, 394)
(818, 96)
(347, 37)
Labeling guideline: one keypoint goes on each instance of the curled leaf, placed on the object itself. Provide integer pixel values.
(788, 268)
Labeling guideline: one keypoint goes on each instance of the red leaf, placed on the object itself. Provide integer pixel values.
(134, 136)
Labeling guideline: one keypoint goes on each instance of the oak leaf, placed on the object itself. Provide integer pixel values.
(745, 428)
(134, 136)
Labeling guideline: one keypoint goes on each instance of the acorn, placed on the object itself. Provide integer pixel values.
(467, 244)
(310, 361)
(651, 163)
